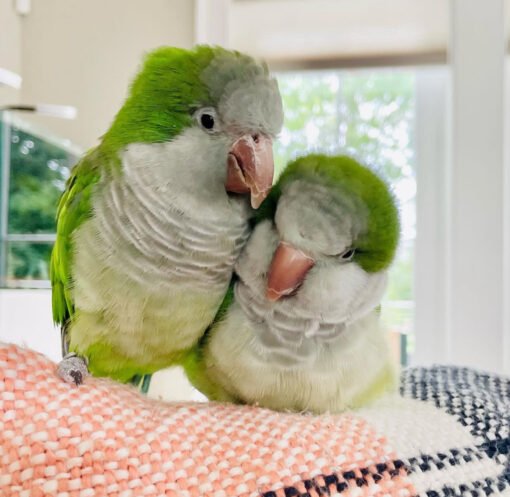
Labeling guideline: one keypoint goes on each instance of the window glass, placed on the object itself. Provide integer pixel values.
(27, 262)
(37, 167)
(38, 170)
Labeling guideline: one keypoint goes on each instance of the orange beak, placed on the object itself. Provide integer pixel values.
(287, 271)
(250, 167)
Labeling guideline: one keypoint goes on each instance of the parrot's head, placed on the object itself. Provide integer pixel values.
(338, 228)
(215, 114)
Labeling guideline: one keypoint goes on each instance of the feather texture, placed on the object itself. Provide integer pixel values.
(147, 236)
(322, 348)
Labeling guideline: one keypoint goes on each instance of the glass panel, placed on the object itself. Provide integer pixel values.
(27, 262)
(38, 170)
(367, 114)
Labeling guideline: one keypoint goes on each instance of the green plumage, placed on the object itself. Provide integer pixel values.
(156, 110)
(73, 209)
(171, 86)
(375, 250)
(160, 98)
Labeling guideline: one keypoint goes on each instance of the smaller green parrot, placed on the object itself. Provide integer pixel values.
(299, 329)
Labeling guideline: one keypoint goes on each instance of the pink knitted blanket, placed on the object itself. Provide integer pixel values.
(105, 439)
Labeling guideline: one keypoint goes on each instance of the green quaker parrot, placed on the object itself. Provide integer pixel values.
(300, 329)
(153, 219)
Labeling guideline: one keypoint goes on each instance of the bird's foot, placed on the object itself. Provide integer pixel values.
(73, 369)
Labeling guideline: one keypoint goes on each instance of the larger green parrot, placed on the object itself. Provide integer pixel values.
(300, 329)
(153, 219)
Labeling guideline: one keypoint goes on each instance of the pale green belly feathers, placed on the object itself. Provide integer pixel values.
(149, 277)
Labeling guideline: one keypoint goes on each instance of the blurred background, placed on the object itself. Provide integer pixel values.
(419, 90)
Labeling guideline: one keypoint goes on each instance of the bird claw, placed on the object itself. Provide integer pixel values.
(73, 369)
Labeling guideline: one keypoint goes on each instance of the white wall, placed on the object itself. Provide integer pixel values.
(25, 319)
(10, 48)
(85, 52)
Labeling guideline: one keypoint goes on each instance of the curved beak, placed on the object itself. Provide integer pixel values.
(287, 272)
(250, 167)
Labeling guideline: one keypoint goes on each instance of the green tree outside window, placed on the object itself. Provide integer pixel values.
(37, 170)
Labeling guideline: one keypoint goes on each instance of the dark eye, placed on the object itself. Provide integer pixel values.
(348, 254)
(207, 119)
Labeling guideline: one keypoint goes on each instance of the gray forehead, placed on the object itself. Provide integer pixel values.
(326, 215)
(334, 200)
(248, 97)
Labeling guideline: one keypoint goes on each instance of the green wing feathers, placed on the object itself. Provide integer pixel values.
(74, 208)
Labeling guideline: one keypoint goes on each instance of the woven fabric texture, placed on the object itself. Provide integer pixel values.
(447, 435)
